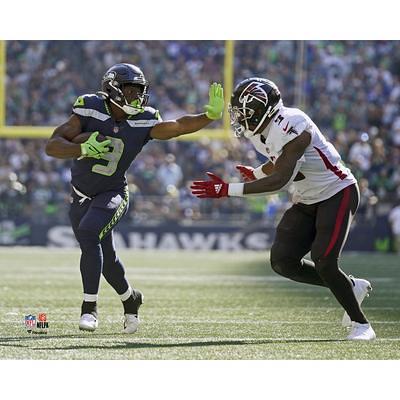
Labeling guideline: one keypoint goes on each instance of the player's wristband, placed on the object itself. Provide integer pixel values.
(235, 189)
(259, 173)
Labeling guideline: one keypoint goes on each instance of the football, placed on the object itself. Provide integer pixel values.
(82, 137)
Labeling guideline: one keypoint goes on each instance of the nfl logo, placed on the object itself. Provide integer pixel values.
(30, 322)
(42, 324)
(42, 317)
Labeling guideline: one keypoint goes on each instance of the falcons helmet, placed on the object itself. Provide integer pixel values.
(254, 101)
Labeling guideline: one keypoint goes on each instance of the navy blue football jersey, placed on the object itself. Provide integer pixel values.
(92, 176)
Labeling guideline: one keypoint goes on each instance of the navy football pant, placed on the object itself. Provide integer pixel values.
(321, 228)
(92, 223)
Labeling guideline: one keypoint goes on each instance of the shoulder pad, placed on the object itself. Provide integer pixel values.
(87, 101)
(294, 115)
(91, 105)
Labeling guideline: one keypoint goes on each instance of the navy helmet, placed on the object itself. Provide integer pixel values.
(113, 82)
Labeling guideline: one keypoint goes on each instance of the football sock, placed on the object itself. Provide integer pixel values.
(125, 296)
(89, 307)
(132, 304)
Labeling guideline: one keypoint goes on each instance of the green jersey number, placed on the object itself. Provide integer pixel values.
(112, 157)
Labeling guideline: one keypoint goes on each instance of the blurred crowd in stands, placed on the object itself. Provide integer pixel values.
(351, 90)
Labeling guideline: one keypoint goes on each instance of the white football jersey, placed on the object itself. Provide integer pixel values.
(325, 175)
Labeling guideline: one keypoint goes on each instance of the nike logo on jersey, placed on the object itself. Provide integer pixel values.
(285, 128)
(291, 130)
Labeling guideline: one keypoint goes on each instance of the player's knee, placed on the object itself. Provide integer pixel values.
(280, 267)
(87, 238)
(281, 263)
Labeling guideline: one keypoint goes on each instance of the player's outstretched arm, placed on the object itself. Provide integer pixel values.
(192, 123)
(285, 170)
(60, 144)
(284, 173)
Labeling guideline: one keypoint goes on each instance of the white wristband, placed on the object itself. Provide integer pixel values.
(259, 173)
(235, 189)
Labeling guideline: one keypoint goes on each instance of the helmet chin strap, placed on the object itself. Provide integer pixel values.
(134, 108)
(129, 109)
(248, 133)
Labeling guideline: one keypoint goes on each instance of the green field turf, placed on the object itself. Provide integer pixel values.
(197, 306)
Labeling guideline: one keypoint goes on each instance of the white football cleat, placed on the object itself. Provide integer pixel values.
(361, 289)
(361, 332)
(88, 322)
(131, 323)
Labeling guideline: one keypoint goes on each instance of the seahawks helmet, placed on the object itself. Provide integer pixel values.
(114, 80)
(254, 101)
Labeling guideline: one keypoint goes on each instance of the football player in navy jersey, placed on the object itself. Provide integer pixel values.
(117, 114)
(326, 194)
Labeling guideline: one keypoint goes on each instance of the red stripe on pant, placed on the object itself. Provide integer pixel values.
(339, 220)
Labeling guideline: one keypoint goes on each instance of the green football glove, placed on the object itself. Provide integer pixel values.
(215, 105)
(93, 148)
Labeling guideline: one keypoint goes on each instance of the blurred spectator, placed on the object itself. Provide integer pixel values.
(368, 201)
(169, 174)
(361, 152)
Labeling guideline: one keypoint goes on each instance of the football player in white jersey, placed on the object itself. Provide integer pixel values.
(326, 194)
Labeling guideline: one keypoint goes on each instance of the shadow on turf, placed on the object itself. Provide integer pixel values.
(5, 340)
(137, 345)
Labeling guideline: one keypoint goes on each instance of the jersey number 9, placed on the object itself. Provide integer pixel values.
(111, 157)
